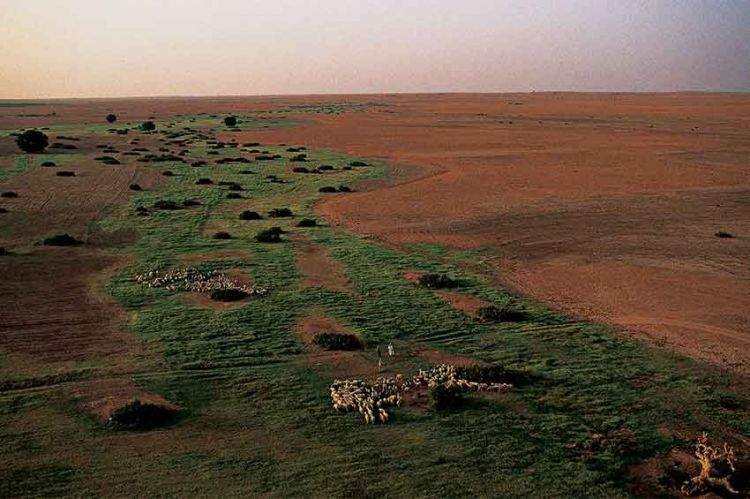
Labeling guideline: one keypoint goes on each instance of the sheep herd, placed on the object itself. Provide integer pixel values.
(372, 399)
(192, 279)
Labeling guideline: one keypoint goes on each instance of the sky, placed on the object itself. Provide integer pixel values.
(122, 48)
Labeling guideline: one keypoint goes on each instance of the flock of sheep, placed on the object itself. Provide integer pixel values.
(372, 399)
(192, 279)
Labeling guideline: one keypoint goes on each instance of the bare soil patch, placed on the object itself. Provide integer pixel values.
(318, 268)
(465, 303)
(203, 300)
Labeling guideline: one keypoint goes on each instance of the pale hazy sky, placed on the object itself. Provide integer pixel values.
(101, 48)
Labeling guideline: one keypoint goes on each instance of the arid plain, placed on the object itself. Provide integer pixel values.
(595, 214)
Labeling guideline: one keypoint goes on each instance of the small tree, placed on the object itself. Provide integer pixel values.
(148, 126)
(111, 118)
(32, 141)
(230, 121)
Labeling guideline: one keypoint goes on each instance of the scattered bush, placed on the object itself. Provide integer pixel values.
(346, 168)
(204, 181)
(167, 173)
(49, 163)
(724, 235)
(108, 160)
(228, 294)
(191, 202)
(3, 210)
(446, 398)
(300, 169)
(328, 188)
(198, 163)
(500, 314)
(8, 194)
(234, 195)
(299, 157)
(137, 415)
(345, 188)
(65, 173)
(357, 163)
(230, 121)
(148, 126)
(111, 118)
(236, 187)
(307, 222)
(166, 205)
(3, 251)
(325, 168)
(246, 172)
(250, 215)
(437, 281)
(32, 141)
(61, 240)
(135, 187)
(268, 236)
(280, 213)
(337, 341)
(264, 157)
(222, 235)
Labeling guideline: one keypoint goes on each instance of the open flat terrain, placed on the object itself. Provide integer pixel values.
(591, 216)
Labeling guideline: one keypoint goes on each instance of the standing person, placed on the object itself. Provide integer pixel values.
(380, 358)
(391, 351)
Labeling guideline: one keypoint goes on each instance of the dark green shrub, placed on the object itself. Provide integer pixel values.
(307, 222)
(246, 172)
(204, 181)
(324, 168)
(280, 213)
(250, 215)
(3, 210)
(111, 118)
(357, 163)
(328, 188)
(8, 194)
(345, 188)
(724, 235)
(234, 195)
(108, 160)
(198, 163)
(300, 169)
(137, 415)
(148, 126)
(222, 235)
(236, 187)
(446, 398)
(3, 251)
(135, 187)
(346, 168)
(229, 294)
(264, 157)
(32, 141)
(166, 205)
(65, 173)
(61, 240)
(437, 281)
(230, 121)
(167, 173)
(268, 236)
(49, 163)
(191, 202)
(500, 314)
(337, 341)
(299, 157)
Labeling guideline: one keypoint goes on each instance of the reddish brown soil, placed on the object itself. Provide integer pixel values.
(318, 268)
(465, 303)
